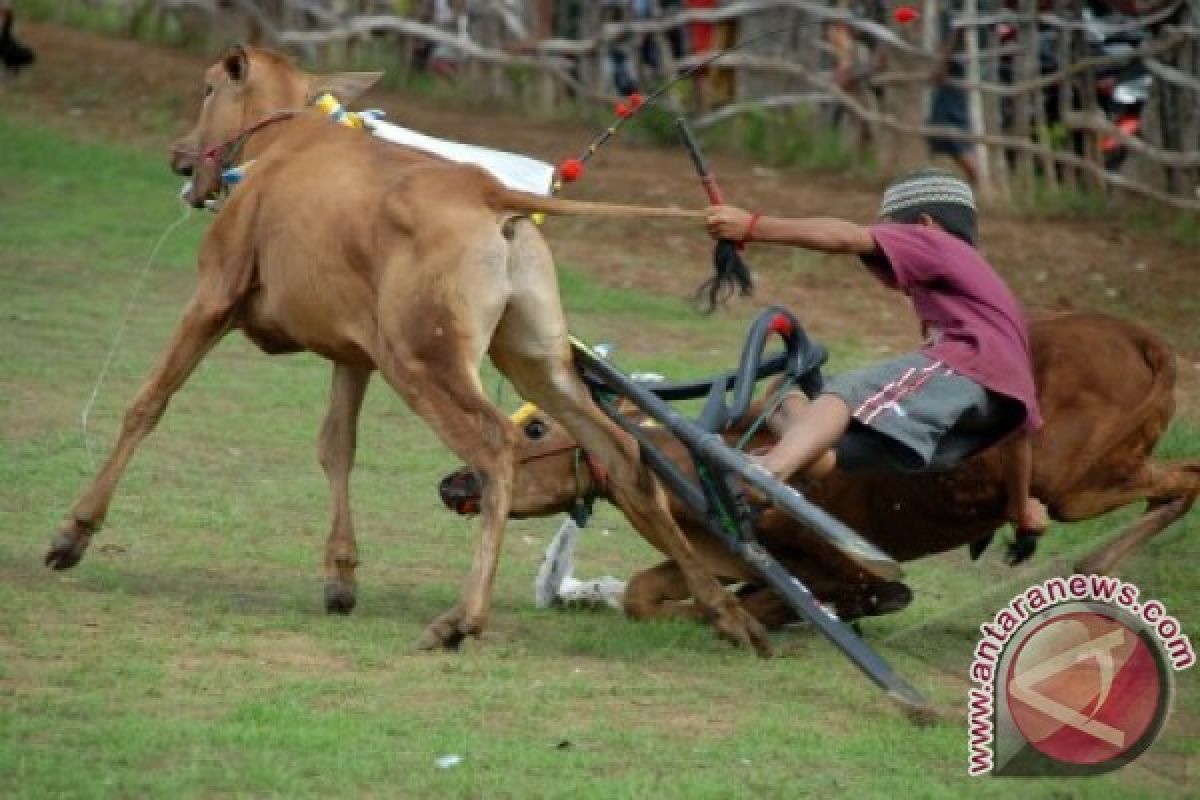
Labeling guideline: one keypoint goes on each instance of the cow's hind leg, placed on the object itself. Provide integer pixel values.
(454, 404)
(531, 348)
(336, 453)
(1170, 491)
(1159, 515)
(659, 592)
(433, 336)
(205, 320)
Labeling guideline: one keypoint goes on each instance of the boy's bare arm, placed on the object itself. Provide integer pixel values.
(824, 234)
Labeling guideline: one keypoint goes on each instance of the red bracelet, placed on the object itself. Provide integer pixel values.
(754, 218)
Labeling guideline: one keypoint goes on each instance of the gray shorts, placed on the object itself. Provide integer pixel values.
(915, 414)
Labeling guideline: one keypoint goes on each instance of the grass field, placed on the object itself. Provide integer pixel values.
(189, 654)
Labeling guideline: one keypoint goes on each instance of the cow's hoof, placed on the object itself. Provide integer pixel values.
(444, 633)
(977, 547)
(877, 599)
(66, 550)
(339, 597)
(890, 597)
(1021, 548)
(744, 630)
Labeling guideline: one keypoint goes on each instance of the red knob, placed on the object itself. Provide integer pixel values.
(571, 170)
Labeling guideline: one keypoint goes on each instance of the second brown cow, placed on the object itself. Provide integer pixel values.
(1106, 389)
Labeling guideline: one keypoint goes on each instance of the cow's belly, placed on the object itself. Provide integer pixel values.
(292, 320)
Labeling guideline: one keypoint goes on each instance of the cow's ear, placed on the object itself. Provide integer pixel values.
(345, 86)
(236, 63)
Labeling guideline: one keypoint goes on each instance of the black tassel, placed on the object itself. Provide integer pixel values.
(730, 274)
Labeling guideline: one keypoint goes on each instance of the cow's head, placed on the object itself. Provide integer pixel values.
(552, 472)
(245, 86)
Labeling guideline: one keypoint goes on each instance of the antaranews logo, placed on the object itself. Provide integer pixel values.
(1073, 677)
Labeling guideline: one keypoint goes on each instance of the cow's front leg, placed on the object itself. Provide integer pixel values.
(336, 453)
(204, 321)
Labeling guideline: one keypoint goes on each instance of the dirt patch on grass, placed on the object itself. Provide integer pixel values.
(288, 652)
(668, 717)
(295, 651)
(664, 715)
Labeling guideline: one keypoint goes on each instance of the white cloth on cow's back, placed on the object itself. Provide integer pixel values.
(514, 171)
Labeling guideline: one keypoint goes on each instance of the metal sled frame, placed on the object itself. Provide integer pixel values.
(724, 513)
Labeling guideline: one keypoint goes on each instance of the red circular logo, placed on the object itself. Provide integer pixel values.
(1084, 688)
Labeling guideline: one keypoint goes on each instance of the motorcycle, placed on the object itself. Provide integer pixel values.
(1122, 90)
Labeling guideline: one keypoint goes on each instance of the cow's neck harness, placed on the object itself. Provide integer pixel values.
(590, 483)
(223, 154)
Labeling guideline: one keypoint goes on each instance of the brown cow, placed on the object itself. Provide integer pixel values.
(1106, 391)
(383, 258)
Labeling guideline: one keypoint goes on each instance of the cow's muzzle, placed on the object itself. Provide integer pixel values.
(461, 491)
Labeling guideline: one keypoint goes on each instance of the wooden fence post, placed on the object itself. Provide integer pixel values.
(1189, 62)
(975, 99)
(1090, 106)
(1068, 176)
(995, 105)
(1025, 68)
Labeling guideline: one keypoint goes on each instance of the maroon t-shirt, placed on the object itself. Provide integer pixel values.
(974, 323)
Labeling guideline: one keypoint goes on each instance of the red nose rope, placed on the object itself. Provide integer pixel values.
(597, 471)
(238, 140)
(585, 494)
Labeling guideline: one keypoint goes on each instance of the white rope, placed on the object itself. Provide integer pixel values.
(129, 307)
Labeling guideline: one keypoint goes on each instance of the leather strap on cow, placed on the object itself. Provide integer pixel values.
(586, 494)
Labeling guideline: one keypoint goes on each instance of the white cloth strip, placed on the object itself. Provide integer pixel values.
(514, 171)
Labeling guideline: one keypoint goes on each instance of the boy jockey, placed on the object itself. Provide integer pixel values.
(968, 387)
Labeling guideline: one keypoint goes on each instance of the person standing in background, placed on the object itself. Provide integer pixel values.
(857, 57)
(713, 86)
(949, 107)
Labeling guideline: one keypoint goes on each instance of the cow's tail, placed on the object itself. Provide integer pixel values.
(1160, 394)
(504, 199)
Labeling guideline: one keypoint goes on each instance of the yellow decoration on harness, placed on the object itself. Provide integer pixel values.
(328, 104)
(522, 414)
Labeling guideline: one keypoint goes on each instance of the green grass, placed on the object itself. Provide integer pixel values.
(1079, 203)
(189, 654)
(790, 138)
